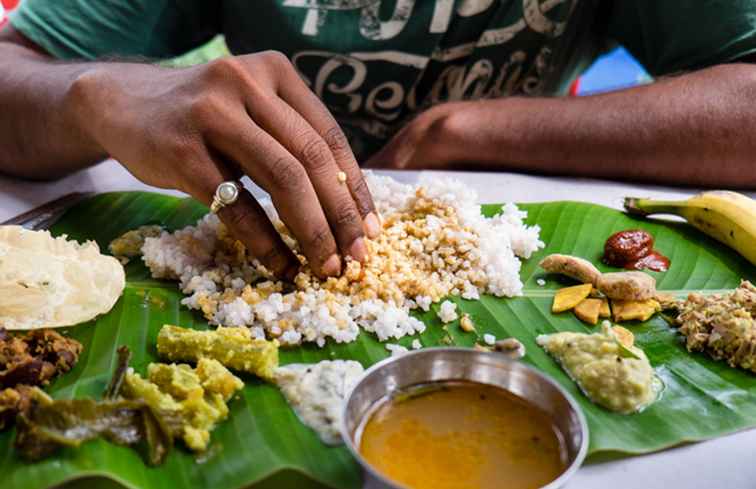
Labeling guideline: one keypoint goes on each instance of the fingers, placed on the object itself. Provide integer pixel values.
(272, 167)
(245, 219)
(300, 98)
(248, 222)
(314, 155)
(290, 145)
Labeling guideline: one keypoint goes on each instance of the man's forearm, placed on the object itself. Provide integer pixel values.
(40, 134)
(697, 129)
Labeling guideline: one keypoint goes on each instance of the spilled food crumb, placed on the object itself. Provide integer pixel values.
(447, 312)
(466, 323)
(395, 349)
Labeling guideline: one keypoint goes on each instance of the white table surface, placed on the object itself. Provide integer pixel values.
(723, 463)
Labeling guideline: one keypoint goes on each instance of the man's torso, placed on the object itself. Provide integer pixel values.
(376, 63)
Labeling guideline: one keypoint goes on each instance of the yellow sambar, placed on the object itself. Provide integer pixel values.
(462, 435)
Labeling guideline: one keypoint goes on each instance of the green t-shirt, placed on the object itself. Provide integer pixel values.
(376, 63)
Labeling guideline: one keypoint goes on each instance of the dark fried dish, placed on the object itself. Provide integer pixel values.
(35, 357)
(13, 401)
(28, 360)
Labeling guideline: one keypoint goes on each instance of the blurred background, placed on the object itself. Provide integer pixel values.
(612, 71)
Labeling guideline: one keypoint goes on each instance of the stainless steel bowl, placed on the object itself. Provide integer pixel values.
(445, 364)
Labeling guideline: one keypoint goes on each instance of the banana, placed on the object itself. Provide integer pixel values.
(728, 217)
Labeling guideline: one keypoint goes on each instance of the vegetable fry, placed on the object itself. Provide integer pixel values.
(233, 347)
(195, 399)
(48, 425)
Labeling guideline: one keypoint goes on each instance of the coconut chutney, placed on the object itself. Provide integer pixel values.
(317, 393)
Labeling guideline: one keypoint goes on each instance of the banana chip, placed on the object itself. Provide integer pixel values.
(569, 297)
(48, 282)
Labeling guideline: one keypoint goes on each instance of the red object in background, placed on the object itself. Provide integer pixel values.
(575, 87)
(8, 5)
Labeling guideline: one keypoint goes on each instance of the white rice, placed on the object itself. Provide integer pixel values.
(424, 302)
(489, 339)
(447, 312)
(190, 256)
(396, 350)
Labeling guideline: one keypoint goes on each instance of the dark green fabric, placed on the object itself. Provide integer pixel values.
(88, 29)
(669, 36)
(401, 55)
(377, 63)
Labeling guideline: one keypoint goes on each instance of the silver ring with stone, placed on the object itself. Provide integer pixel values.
(226, 194)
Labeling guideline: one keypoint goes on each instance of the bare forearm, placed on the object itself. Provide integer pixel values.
(40, 133)
(694, 129)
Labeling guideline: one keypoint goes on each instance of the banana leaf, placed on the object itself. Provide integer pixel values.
(263, 444)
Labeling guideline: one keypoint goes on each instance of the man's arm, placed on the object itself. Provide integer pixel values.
(192, 129)
(697, 129)
(40, 135)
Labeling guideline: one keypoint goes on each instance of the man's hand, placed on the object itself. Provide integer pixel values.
(426, 142)
(693, 129)
(192, 129)
(195, 128)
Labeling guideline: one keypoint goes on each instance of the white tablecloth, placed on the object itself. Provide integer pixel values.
(723, 463)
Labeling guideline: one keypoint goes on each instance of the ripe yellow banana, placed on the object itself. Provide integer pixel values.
(728, 217)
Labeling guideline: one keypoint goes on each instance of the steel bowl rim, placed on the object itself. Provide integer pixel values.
(556, 483)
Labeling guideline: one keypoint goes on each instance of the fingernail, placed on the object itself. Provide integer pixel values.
(358, 250)
(332, 266)
(372, 225)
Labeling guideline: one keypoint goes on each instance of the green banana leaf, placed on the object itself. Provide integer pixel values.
(262, 444)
